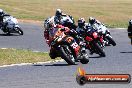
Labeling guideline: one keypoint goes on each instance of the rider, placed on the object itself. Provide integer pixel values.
(81, 26)
(64, 19)
(130, 30)
(96, 23)
(2, 14)
(82, 30)
(58, 16)
(51, 26)
(99, 27)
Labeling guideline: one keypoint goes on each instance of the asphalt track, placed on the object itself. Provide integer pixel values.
(59, 75)
(32, 38)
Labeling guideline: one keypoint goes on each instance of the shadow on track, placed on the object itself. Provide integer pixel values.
(8, 35)
(126, 52)
(38, 65)
(95, 57)
(51, 65)
(58, 65)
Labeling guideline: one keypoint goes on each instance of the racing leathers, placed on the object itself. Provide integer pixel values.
(49, 39)
(129, 30)
(64, 20)
(99, 28)
(1, 20)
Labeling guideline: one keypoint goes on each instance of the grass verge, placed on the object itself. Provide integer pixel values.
(16, 56)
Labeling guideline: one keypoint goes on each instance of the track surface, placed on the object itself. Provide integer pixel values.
(59, 75)
(32, 38)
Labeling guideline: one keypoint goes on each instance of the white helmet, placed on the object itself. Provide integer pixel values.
(130, 22)
(1, 12)
(81, 22)
(58, 12)
(91, 20)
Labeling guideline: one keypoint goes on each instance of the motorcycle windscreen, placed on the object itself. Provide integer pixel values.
(55, 32)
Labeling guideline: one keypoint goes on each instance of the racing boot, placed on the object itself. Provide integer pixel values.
(83, 53)
(131, 41)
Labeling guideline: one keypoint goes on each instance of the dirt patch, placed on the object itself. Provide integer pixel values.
(30, 21)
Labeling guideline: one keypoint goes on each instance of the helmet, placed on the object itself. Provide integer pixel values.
(91, 20)
(50, 24)
(130, 22)
(81, 22)
(1, 12)
(58, 13)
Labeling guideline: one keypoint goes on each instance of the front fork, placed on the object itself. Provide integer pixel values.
(74, 45)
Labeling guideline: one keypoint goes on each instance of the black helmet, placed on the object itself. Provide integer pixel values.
(58, 13)
(1, 12)
(130, 22)
(50, 24)
(81, 22)
(91, 20)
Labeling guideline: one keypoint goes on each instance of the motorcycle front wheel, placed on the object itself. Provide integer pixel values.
(99, 50)
(110, 40)
(67, 54)
(19, 30)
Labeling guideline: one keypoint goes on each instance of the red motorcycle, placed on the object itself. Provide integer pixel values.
(94, 42)
(65, 46)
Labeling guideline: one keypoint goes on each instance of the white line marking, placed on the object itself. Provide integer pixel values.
(24, 64)
(4, 48)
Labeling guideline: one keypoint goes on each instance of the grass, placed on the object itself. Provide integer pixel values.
(16, 56)
(114, 13)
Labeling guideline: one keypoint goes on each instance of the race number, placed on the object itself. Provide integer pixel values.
(74, 45)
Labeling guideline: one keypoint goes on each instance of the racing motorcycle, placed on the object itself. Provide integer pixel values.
(11, 26)
(68, 21)
(65, 46)
(94, 42)
(103, 31)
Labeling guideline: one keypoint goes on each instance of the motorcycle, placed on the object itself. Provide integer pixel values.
(68, 21)
(103, 31)
(94, 42)
(10, 25)
(65, 46)
(129, 30)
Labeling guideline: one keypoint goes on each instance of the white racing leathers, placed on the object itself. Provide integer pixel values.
(63, 20)
(99, 27)
(66, 18)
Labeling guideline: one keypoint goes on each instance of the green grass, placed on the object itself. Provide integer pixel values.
(114, 13)
(16, 56)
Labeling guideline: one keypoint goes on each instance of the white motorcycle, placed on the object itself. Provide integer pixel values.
(102, 30)
(10, 25)
(68, 21)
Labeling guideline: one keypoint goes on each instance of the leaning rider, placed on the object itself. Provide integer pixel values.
(96, 23)
(81, 29)
(50, 27)
(98, 26)
(2, 14)
(130, 30)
